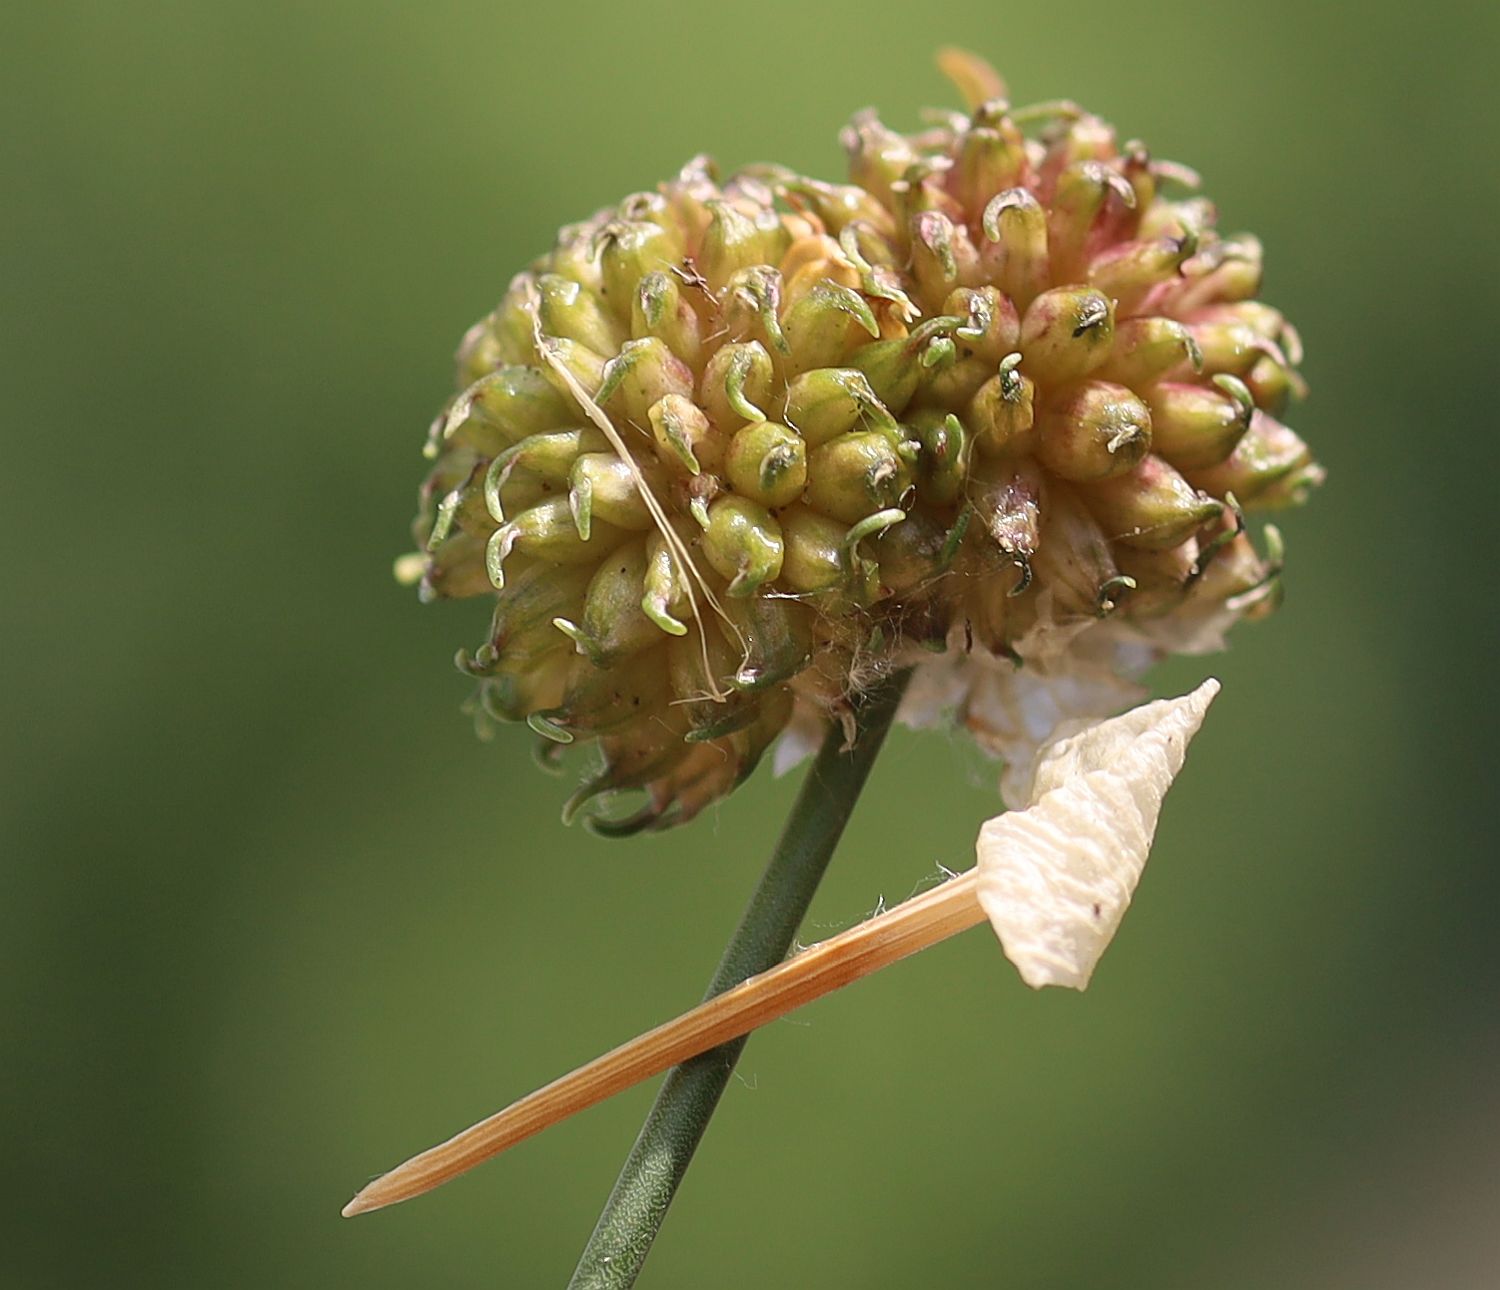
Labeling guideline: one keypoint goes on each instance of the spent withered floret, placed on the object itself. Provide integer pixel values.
(737, 447)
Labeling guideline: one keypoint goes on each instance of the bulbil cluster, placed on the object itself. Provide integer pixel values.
(735, 448)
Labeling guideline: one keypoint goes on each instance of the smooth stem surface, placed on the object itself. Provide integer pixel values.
(633, 1214)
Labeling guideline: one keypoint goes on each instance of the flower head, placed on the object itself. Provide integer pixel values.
(735, 447)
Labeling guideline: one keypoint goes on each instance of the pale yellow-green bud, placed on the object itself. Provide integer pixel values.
(825, 325)
(1152, 507)
(734, 241)
(642, 374)
(1003, 412)
(1016, 225)
(767, 463)
(547, 531)
(658, 309)
(1066, 333)
(991, 159)
(685, 437)
(1094, 430)
(1146, 349)
(736, 385)
(613, 623)
(1270, 466)
(743, 543)
(629, 251)
(855, 475)
(1199, 425)
(814, 547)
(569, 311)
(830, 401)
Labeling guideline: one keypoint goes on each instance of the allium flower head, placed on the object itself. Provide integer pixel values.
(736, 447)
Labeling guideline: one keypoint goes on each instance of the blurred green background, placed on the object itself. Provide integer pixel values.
(270, 916)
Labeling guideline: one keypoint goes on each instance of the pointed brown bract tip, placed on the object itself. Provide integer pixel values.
(924, 920)
(974, 78)
(363, 1203)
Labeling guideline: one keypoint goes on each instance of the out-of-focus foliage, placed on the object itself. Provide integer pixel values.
(271, 918)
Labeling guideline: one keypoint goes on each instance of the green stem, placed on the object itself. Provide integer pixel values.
(632, 1215)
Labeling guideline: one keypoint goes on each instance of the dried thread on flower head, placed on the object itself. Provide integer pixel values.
(733, 449)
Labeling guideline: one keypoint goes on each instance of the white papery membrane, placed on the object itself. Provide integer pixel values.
(1056, 877)
(1084, 669)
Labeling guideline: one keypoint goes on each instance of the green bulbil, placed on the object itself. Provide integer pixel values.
(736, 446)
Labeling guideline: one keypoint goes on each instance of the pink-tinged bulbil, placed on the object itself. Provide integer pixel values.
(738, 446)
